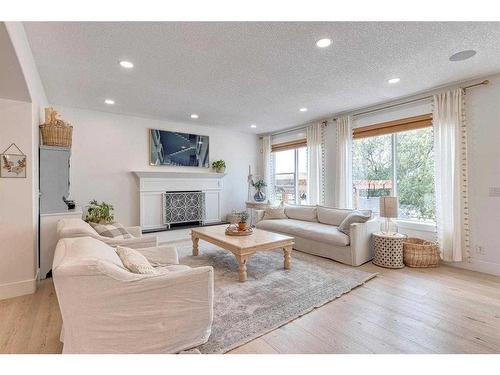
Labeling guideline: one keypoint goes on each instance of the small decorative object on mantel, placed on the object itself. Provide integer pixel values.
(219, 166)
(13, 165)
(233, 230)
(55, 132)
(259, 195)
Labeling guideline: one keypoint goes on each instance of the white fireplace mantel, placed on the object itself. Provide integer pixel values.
(153, 185)
(149, 174)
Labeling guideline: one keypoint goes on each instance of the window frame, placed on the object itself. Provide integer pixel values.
(392, 128)
(286, 146)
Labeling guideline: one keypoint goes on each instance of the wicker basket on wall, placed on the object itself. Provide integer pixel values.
(55, 132)
(420, 253)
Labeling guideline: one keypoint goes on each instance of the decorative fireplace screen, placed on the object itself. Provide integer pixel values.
(183, 207)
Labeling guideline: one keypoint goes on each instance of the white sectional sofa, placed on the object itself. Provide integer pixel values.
(106, 308)
(315, 229)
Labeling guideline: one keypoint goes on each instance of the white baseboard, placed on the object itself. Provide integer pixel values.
(479, 266)
(18, 288)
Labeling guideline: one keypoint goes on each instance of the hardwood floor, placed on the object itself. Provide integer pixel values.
(442, 310)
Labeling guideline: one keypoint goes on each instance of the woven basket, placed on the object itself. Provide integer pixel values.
(58, 134)
(420, 253)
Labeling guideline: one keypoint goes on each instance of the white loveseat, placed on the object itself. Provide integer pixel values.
(315, 229)
(107, 309)
(71, 228)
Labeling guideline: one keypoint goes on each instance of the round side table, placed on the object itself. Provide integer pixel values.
(388, 249)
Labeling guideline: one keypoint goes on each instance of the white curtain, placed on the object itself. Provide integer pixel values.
(343, 164)
(266, 166)
(315, 164)
(450, 161)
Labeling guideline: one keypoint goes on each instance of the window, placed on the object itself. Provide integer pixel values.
(395, 161)
(290, 175)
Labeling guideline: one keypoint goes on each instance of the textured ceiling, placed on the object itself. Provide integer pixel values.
(236, 74)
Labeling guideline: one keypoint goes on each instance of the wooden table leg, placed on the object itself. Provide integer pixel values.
(287, 257)
(195, 244)
(242, 263)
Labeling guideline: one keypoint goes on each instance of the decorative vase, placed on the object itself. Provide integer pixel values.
(259, 196)
(242, 226)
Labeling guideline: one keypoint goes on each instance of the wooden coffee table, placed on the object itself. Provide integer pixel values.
(244, 246)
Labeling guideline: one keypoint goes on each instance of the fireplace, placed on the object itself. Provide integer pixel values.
(187, 207)
(158, 188)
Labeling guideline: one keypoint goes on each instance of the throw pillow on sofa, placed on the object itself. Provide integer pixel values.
(134, 261)
(353, 217)
(271, 213)
(302, 212)
(113, 230)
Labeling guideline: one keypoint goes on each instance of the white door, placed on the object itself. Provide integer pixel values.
(212, 207)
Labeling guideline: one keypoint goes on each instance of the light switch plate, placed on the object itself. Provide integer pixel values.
(494, 191)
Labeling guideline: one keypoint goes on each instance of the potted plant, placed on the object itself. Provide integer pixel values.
(242, 224)
(259, 195)
(100, 213)
(219, 166)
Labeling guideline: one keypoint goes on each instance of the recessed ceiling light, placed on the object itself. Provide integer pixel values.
(109, 101)
(194, 115)
(323, 43)
(303, 109)
(394, 80)
(253, 126)
(126, 64)
(462, 55)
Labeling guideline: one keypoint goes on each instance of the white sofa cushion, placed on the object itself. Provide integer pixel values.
(89, 251)
(134, 261)
(111, 230)
(308, 230)
(332, 216)
(75, 228)
(335, 216)
(353, 217)
(274, 213)
(306, 213)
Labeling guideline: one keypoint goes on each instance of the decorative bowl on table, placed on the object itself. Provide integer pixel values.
(233, 230)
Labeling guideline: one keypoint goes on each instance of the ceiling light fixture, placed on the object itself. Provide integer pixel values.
(126, 64)
(303, 109)
(109, 101)
(323, 43)
(462, 55)
(394, 80)
(194, 115)
(253, 126)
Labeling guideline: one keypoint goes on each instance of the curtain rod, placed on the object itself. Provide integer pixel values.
(485, 82)
(325, 122)
(301, 127)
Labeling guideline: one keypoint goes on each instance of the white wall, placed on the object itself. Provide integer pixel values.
(483, 114)
(19, 198)
(108, 147)
(19, 262)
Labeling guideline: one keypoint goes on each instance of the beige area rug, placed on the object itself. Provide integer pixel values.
(272, 296)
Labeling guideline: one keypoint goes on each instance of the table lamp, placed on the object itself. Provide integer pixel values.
(388, 209)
